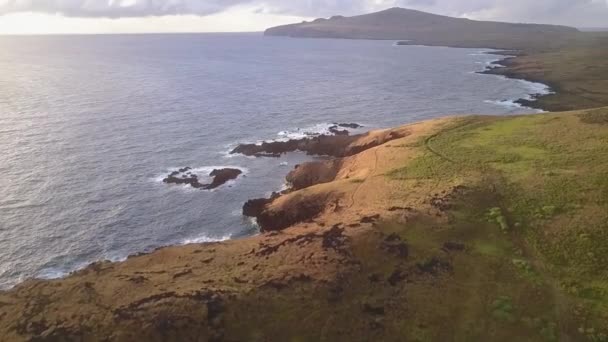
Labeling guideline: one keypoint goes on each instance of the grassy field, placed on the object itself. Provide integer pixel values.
(537, 216)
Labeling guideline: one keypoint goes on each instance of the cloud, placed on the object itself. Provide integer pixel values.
(571, 12)
(118, 8)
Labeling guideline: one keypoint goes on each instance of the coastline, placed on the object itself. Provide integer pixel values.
(504, 68)
(54, 274)
(382, 239)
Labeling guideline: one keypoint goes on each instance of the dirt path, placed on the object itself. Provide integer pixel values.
(373, 171)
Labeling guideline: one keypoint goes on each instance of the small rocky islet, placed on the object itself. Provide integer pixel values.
(185, 176)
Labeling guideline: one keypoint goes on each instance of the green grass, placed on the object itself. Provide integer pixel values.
(547, 174)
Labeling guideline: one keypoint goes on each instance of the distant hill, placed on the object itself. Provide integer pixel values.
(425, 28)
(594, 29)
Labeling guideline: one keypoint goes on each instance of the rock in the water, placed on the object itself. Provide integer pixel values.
(335, 130)
(175, 178)
(220, 177)
(331, 145)
(349, 125)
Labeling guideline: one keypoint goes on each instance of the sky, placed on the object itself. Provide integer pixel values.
(146, 16)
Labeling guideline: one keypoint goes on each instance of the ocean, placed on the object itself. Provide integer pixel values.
(89, 126)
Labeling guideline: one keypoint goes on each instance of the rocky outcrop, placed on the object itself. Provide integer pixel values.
(299, 208)
(292, 207)
(309, 174)
(349, 125)
(329, 145)
(185, 176)
(324, 145)
(293, 210)
(255, 207)
(222, 176)
(335, 130)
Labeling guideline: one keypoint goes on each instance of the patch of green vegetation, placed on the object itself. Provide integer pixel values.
(495, 215)
(592, 335)
(428, 166)
(546, 328)
(549, 331)
(523, 265)
(502, 309)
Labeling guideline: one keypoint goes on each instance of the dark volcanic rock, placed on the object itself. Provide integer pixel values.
(338, 145)
(329, 145)
(435, 266)
(220, 177)
(370, 219)
(255, 207)
(192, 180)
(313, 173)
(394, 245)
(294, 211)
(337, 131)
(350, 125)
(290, 214)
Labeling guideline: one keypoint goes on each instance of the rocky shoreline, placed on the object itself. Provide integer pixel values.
(330, 144)
(308, 174)
(506, 67)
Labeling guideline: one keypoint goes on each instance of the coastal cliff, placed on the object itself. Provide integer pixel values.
(465, 228)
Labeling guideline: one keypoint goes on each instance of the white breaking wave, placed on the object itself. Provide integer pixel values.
(56, 273)
(206, 239)
(61, 272)
(535, 90)
(300, 133)
(505, 103)
(315, 130)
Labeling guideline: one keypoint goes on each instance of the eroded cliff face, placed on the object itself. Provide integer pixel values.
(419, 237)
(302, 202)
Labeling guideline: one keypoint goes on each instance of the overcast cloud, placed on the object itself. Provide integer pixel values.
(571, 12)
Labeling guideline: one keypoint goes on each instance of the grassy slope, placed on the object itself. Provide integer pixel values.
(521, 201)
(533, 220)
(540, 180)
